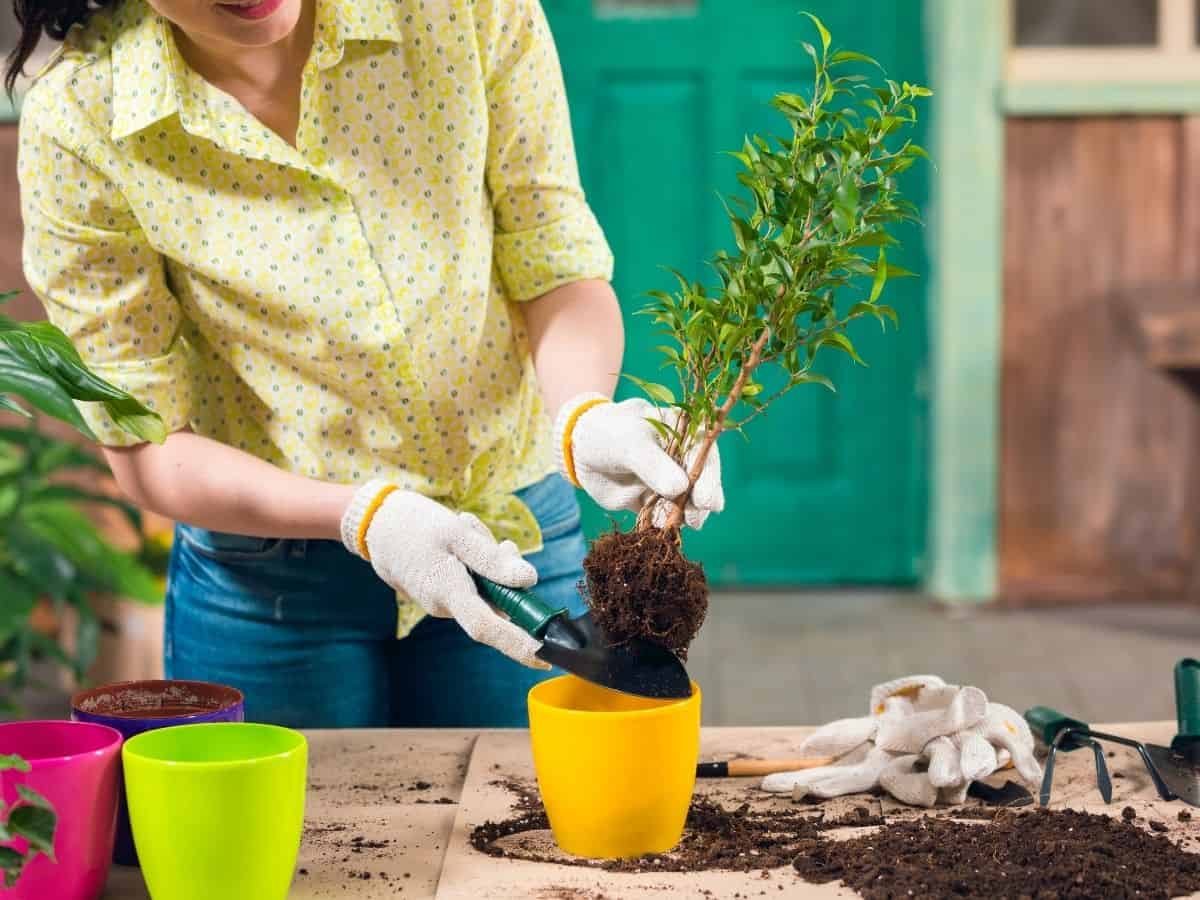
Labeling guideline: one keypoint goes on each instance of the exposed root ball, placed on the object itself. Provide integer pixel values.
(641, 585)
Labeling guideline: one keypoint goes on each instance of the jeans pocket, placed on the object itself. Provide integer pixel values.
(225, 547)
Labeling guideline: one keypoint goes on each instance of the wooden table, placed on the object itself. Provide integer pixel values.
(423, 791)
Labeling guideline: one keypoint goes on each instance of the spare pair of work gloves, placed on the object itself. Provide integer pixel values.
(924, 742)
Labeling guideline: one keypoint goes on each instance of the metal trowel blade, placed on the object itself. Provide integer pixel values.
(636, 667)
(1181, 777)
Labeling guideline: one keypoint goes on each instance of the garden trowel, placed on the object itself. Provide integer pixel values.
(580, 647)
(1179, 764)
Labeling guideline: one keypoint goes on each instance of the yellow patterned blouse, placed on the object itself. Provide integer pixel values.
(342, 308)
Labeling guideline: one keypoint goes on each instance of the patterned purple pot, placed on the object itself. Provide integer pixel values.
(132, 707)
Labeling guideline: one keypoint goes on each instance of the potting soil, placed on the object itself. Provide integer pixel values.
(1047, 855)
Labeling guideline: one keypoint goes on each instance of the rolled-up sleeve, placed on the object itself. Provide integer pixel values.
(100, 281)
(546, 234)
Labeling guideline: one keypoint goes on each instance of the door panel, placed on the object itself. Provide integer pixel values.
(829, 488)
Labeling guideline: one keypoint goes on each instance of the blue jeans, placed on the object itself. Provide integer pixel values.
(307, 631)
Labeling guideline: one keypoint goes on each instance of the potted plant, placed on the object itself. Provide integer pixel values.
(811, 239)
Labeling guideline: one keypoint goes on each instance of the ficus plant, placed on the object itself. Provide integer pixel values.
(809, 257)
(30, 819)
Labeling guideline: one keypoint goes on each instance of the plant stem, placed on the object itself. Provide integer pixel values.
(675, 519)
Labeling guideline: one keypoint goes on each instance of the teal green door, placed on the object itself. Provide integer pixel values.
(830, 488)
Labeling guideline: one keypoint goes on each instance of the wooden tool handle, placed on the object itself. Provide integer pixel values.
(740, 768)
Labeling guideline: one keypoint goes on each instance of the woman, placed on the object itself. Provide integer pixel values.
(341, 248)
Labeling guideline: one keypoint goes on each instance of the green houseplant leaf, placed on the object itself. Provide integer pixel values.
(80, 542)
(35, 824)
(39, 363)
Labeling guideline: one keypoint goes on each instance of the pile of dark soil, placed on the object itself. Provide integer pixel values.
(1059, 854)
(1055, 855)
(640, 585)
(714, 838)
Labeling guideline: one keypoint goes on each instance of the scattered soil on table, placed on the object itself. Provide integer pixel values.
(1059, 854)
(1047, 855)
(1185, 816)
(640, 584)
(743, 839)
(555, 892)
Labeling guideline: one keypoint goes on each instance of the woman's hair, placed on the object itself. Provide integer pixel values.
(38, 17)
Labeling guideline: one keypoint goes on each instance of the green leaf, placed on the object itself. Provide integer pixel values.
(129, 415)
(881, 276)
(659, 393)
(751, 389)
(873, 239)
(39, 390)
(843, 56)
(9, 404)
(11, 864)
(11, 761)
(36, 825)
(743, 234)
(918, 150)
(664, 432)
(32, 797)
(845, 206)
(886, 312)
(895, 271)
(824, 32)
(42, 349)
(72, 534)
(841, 342)
(54, 456)
(8, 295)
(810, 378)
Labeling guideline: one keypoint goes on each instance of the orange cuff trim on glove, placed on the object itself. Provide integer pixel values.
(567, 454)
(372, 508)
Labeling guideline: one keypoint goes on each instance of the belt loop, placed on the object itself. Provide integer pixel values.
(297, 549)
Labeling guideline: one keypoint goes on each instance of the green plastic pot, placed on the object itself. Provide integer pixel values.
(217, 809)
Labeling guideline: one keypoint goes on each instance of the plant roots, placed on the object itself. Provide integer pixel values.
(642, 586)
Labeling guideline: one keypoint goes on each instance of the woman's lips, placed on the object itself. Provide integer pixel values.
(259, 10)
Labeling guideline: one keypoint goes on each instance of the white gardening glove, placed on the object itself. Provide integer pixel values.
(1002, 737)
(859, 762)
(424, 550)
(886, 748)
(618, 457)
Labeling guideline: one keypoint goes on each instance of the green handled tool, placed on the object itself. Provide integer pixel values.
(1060, 732)
(580, 647)
(1180, 763)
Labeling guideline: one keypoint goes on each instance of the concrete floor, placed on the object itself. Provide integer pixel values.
(806, 658)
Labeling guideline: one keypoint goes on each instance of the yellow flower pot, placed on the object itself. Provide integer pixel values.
(616, 772)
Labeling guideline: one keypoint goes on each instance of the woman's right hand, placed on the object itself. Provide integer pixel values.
(427, 552)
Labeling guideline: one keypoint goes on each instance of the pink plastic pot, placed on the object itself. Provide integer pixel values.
(75, 765)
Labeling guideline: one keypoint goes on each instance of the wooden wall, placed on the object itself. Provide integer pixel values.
(1100, 449)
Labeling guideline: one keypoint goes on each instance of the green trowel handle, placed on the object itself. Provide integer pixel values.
(523, 608)
(1187, 699)
(1047, 723)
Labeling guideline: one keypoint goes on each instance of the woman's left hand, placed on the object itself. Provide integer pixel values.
(619, 458)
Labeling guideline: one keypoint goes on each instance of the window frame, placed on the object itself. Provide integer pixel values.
(1111, 80)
